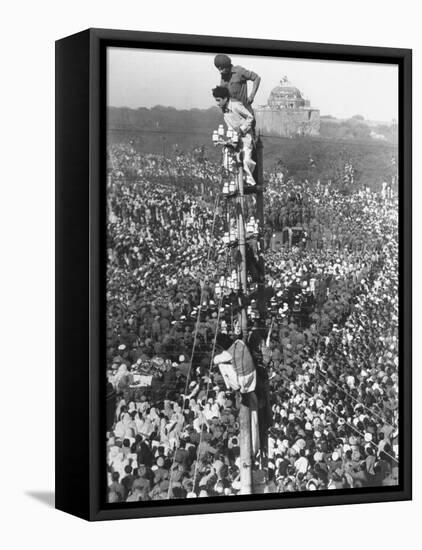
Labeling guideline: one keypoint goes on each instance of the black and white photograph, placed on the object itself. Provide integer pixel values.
(210, 235)
(252, 294)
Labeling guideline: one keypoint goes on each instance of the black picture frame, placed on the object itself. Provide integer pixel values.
(80, 272)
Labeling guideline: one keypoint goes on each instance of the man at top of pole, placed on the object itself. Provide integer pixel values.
(235, 79)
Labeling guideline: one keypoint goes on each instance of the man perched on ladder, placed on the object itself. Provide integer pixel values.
(240, 120)
(235, 79)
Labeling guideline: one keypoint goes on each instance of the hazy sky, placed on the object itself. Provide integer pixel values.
(144, 78)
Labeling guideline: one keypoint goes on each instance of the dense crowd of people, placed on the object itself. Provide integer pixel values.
(329, 346)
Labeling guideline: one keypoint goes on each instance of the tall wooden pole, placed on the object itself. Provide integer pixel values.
(244, 412)
(262, 308)
(245, 450)
(264, 412)
(243, 321)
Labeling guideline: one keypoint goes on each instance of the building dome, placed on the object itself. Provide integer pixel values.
(286, 96)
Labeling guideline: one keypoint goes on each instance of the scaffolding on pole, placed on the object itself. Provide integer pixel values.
(239, 232)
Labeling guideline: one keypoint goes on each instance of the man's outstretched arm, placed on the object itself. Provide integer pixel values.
(256, 82)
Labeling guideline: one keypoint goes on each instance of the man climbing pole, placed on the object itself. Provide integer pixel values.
(237, 367)
(239, 374)
(239, 119)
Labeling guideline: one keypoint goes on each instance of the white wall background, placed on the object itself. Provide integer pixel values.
(29, 30)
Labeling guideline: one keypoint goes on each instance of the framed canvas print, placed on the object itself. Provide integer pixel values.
(233, 274)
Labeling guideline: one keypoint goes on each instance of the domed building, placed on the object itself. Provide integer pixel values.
(287, 113)
(286, 96)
